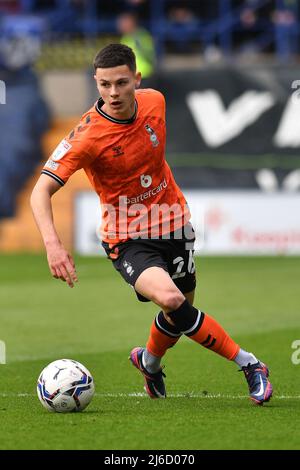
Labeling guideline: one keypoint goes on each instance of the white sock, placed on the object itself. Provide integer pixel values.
(150, 362)
(244, 358)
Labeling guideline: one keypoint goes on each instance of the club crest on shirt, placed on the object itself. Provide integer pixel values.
(153, 137)
(118, 151)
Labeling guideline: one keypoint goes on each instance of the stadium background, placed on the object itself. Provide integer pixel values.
(236, 60)
(230, 72)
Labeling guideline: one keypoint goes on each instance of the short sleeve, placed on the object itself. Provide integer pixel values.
(72, 153)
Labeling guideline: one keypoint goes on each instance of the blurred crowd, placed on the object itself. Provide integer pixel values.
(24, 115)
(212, 28)
(178, 25)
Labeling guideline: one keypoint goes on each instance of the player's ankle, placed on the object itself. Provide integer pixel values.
(244, 358)
(150, 362)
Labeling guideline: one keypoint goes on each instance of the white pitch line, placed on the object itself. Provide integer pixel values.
(188, 395)
(171, 395)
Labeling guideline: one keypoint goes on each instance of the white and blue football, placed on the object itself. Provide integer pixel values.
(64, 386)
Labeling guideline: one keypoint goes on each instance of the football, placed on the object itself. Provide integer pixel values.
(64, 386)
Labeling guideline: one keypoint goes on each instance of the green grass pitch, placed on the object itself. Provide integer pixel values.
(99, 321)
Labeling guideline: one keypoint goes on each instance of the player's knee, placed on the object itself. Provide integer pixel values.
(170, 300)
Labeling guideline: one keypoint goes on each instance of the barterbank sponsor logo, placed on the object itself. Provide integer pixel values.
(147, 194)
(146, 181)
(133, 219)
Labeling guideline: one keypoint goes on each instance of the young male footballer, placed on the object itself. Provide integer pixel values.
(145, 231)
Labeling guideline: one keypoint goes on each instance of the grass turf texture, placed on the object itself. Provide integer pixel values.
(99, 321)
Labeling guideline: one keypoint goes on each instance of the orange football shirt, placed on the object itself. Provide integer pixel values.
(125, 163)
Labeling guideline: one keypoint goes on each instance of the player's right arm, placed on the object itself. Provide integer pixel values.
(60, 262)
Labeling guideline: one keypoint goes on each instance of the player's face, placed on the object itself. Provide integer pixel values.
(117, 86)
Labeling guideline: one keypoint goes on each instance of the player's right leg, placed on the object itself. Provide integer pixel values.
(154, 381)
(163, 334)
(131, 260)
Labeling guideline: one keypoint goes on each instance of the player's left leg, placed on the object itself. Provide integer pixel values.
(205, 330)
(180, 317)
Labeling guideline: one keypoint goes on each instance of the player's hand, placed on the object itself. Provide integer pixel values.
(61, 265)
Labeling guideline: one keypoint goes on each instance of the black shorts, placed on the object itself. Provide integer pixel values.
(174, 255)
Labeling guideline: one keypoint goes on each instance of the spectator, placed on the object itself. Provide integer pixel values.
(184, 30)
(141, 42)
(23, 119)
(285, 21)
(10, 6)
(182, 15)
(248, 18)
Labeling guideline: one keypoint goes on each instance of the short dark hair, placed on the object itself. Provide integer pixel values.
(114, 55)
